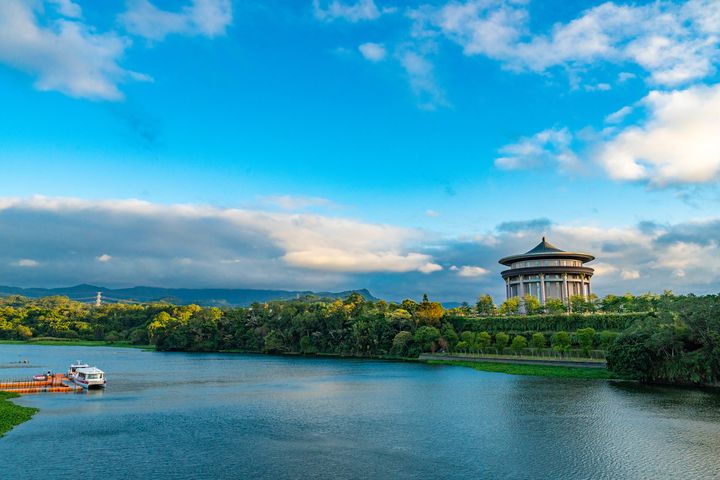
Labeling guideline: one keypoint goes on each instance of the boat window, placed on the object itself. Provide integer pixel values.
(93, 376)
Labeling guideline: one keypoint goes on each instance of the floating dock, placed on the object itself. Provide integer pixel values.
(57, 383)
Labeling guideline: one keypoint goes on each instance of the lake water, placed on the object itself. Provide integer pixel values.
(194, 416)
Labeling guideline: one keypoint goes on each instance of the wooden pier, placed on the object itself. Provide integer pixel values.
(57, 383)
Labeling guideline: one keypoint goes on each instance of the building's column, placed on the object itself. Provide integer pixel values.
(542, 288)
(521, 287)
(565, 292)
(507, 288)
(585, 289)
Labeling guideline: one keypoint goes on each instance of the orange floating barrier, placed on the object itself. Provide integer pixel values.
(53, 383)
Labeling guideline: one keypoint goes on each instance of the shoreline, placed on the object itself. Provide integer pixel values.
(533, 370)
(12, 414)
(76, 343)
(537, 369)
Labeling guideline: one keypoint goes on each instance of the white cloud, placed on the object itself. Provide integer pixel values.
(630, 274)
(337, 260)
(619, 115)
(292, 202)
(431, 213)
(208, 18)
(375, 52)
(104, 258)
(27, 262)
(63, 54)
(67, 8)
(551, 145)
(351, 12)
(480, 27)
(682, 257)
(625, 76)
(147, 234)
(674, 42)
(678, 143)
(604, 269)
(421, 75)
(471, 271)
(599, 87)
(430, 267)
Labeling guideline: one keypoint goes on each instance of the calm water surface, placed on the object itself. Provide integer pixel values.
(190, 416)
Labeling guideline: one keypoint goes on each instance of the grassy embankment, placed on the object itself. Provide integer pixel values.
(11, 414)
(74, 343)
(533, 370)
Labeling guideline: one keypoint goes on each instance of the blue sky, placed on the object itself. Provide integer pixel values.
(402, 147)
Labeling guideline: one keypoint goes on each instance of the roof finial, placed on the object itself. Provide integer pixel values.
(543, 239)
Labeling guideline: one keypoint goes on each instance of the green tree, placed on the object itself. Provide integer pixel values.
(586, 339)
(519, 343)
(274, 342)
(468, 337)
(483, 340)
(561, 341)
(485, 306)
(448, 333)
(501, 341)
(537, 340)
(400, 343)
(554, 306)
(607, 338)
(511, 306)
(306, 346)
(532, 305)
(427, 337)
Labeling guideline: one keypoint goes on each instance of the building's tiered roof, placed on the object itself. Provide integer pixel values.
(545, 249)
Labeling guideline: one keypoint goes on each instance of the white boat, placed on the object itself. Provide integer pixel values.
(86, 376)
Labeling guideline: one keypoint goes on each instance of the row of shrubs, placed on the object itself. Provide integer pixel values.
(547, 323)
(586, 339)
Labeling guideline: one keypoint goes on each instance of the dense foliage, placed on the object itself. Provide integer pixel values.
(674, 339)
(12, 414)
(680, 344)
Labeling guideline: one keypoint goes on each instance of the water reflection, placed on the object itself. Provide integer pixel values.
(246, 416)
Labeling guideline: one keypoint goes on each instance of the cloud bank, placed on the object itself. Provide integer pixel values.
(673, 42)
(63, 241)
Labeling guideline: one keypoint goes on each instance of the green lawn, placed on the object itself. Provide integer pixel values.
(74, 343)
(11, 414)
(534, 370)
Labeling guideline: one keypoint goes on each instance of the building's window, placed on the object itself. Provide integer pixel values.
(527, 264)
(537, 263)
(552, 289)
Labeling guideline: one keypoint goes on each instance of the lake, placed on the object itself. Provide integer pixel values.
(190, 416)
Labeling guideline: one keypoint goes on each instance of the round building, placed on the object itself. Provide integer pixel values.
(547, 272)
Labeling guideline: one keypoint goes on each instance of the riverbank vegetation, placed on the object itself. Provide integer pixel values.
(653, 338)
(12, 414)
(554, 371)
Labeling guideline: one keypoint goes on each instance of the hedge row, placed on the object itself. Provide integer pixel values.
(520, 324)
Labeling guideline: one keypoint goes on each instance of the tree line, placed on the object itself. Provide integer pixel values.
(654, 338)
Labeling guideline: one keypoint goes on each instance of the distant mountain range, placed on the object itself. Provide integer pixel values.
(178, 296)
